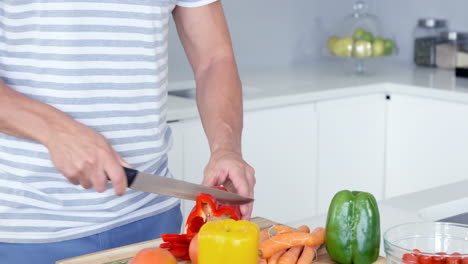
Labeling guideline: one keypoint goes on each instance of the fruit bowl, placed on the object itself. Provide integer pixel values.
(360, 37)
(427, 243)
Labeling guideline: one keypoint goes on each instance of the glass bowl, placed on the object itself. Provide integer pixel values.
(360, 37)
(427, 242)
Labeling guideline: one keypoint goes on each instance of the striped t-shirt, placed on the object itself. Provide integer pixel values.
(104, 63)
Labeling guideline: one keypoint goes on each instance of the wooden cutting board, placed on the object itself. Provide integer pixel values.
(122, 254)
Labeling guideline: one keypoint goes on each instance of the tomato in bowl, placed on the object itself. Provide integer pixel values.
(427, 243)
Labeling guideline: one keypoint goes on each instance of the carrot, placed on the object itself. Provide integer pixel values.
(274, 259)
(308, 255)
(291, 256)
(304, 229)
(288, 240)
(264, 235)
(281, 229)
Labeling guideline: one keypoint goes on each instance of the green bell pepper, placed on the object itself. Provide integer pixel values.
(353, 228)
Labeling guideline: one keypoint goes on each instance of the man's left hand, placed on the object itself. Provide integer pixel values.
(229, 169)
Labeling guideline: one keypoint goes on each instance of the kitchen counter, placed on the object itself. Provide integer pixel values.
(329, 80)
(428, 205)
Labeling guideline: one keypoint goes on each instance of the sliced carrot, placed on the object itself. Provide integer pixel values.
(274, 259)
(288, 240)
(308, 255)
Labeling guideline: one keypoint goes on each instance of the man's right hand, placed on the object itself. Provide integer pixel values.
(85, 157)
(81, 154)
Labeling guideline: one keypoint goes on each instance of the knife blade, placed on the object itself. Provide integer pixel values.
(146, 182)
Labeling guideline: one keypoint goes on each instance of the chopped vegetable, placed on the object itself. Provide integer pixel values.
(177, 244)
(207, 209)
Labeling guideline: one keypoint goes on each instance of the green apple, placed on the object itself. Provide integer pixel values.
(343, 47)
(367, 36)
(362, 49)
(358, 33)
(388, 47)
(331, 44)
(378, 47)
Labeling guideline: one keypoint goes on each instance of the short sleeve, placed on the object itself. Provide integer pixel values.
(194, 3)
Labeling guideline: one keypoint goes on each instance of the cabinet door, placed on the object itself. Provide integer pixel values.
(176, 154)
(196, 156)
(427, 144)
(351, 146)
(281, 145)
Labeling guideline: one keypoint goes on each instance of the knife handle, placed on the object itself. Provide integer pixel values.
(131, 175)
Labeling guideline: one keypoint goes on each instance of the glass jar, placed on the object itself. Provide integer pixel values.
(450, 46)
(360, 37)
(426, 35)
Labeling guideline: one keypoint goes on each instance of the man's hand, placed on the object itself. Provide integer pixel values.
(229, 169)
(85, 157)
(205, 37)
(77, 151)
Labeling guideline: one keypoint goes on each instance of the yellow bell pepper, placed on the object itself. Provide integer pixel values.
(228, 242)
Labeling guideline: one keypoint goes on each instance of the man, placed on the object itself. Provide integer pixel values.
(83, 93)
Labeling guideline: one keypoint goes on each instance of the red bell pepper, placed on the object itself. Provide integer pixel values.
(207, 209)
(178, 244)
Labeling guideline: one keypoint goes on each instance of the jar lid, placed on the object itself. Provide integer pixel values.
(454, 36)
(432, 23)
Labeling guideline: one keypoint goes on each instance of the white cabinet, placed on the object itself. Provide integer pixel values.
(427, 144)
(351, 146)
(280, 144)
(176, 154)
(196, 156)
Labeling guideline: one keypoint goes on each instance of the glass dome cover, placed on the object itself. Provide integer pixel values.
(361, 35)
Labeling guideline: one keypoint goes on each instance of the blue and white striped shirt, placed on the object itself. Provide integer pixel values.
(104, 63)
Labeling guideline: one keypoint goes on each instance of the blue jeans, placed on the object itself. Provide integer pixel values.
(48, 253)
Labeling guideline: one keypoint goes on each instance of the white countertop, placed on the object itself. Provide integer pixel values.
(295, 85)
(428, 205)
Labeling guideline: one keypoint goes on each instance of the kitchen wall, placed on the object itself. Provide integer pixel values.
(275, 33)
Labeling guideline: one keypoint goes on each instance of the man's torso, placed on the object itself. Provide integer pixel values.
(104, 63)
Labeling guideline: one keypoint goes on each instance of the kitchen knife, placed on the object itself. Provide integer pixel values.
(176, 188)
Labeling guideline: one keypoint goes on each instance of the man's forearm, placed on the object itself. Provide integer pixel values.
(219, 99)
(23, 117)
